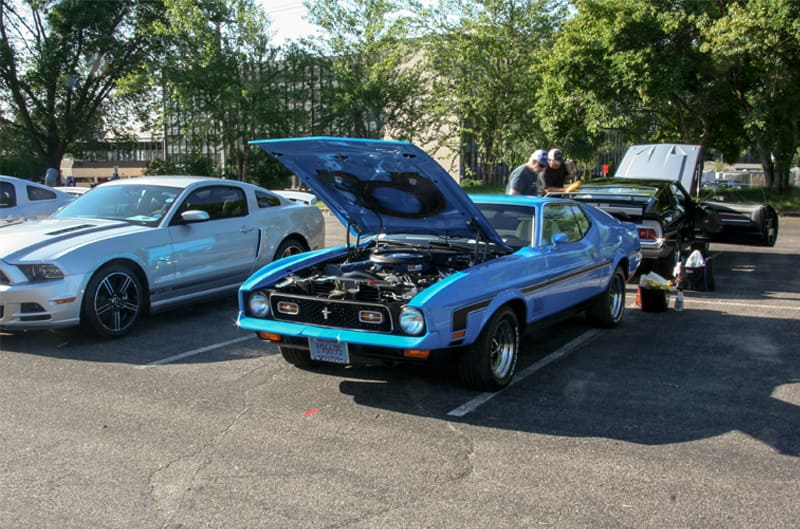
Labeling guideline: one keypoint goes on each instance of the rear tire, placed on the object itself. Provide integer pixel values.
(288, 248)
(489, 364)
(609, 309)
(770, 229)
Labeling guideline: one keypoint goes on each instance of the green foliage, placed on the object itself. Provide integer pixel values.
(60, 63)
(756, 50)
(483, 59)
(377, 88)
(471, 185)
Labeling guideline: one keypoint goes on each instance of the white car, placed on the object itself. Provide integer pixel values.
(22, 199)
(142, 245)
(75, 191)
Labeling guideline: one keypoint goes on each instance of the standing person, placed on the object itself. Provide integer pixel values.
(556, 175)
(524, 179)
(52, 177)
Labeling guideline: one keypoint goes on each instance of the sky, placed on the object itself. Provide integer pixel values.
(287, 19)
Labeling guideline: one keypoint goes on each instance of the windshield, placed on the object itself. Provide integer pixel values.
(513, 223)
(140, 204)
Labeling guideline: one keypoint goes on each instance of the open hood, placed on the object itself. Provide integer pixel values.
(663, 161)
(377, 186)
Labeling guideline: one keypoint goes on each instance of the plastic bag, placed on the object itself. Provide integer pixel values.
(654, 281)
(695, 260)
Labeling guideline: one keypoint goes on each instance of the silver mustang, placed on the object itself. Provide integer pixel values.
(143, 245)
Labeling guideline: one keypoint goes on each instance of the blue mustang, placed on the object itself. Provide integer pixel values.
(430, 274)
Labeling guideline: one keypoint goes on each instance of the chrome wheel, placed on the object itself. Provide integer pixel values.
(288, 248)
(609, 308)
(616, 297)
(113, 301)
(489, 363)
(503, 352)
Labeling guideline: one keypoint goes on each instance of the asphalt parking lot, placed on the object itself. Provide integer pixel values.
(673, 420)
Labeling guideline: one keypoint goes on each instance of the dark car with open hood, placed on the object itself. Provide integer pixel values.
(657, 186)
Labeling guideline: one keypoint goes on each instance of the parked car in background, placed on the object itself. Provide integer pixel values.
(22, 199)
(142, 245)
(75, 191)
(430, 274)
(657, 187)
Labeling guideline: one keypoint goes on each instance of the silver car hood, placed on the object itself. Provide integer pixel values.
(662, 161)
(47, 239)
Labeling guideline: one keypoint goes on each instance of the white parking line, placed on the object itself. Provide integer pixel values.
(746, 304)
(525, 373)
(196, 351)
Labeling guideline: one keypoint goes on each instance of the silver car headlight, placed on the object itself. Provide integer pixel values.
(259, 303)
(411, 321)
(42, 272)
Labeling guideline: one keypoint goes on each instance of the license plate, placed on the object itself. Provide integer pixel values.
(329, 351)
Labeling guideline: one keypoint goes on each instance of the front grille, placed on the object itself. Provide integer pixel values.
(333, 313)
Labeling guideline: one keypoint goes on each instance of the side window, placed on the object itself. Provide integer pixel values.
(234, 203)
(39, 193)
(219, 202)
(581, 220)
(8, 195)
(267, 200)
(561, 218)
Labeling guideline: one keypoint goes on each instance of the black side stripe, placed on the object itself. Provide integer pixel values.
(460, 315)
(567, 277)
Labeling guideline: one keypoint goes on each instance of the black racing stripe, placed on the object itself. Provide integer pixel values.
(460, 316)
(567, 277)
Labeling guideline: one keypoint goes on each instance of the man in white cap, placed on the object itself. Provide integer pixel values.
(524, 179)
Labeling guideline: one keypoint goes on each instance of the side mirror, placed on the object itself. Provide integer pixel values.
(558, 238)
(194, 215)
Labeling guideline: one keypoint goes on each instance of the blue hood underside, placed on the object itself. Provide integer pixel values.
(387, 187)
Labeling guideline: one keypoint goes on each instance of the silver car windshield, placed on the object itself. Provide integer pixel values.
(140, 204)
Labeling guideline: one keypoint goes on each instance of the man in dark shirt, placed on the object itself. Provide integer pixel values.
(555, 175)
(524, 179)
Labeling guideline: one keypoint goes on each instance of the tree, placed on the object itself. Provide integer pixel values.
(219, 81)
(369, 52)
(60, 63)
(756, 47)
(483, 57)
(637, 66)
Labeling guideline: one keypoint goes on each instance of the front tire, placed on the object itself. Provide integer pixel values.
(296, 357)
(113, 301)
(609, 309)
(489, 364)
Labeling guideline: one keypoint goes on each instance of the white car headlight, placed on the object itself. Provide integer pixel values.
(41, 272)
(259, 303)
(411, 321)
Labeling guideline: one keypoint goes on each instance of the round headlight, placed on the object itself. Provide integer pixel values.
(259, 303)
(411, 321)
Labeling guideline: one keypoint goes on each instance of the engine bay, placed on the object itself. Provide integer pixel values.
(381, 273)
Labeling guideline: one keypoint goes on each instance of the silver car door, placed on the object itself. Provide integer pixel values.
(218, 252)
